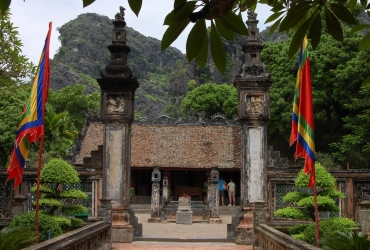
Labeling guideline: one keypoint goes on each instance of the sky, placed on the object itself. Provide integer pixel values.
(33, 16)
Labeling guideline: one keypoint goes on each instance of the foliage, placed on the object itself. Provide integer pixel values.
(13, 65)
(75, 222)
(14, 238)
(297, 229)
(328, 228)
(354, 147)
(211, 99)
(60, 134)
(54, 174)
(346, 241)
(12, 100)
(301, 202)
(72, 99)
(59, 171)
(46, 223)
(337, 74)
(132, 192)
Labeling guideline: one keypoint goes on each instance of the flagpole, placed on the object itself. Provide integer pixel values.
(316, 213)
(39, 164)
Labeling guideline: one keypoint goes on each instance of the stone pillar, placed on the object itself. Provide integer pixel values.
(156, 196)
(214, 197)
(118, 88)
(253, 88)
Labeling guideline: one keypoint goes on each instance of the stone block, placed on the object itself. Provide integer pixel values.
(184, 217)
(230, 231)
(184, 204)
(244, 236)
(122, 235)
(364, 216)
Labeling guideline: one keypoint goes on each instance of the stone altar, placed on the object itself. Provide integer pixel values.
(184, 215)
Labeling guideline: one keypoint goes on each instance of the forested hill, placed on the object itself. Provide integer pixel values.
(83, 53)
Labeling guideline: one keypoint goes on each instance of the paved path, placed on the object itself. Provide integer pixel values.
(163, 233)
(147, 245)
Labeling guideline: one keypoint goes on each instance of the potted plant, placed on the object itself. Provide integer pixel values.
(132, 195)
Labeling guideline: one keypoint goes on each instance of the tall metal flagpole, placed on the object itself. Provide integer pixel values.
(39, 166)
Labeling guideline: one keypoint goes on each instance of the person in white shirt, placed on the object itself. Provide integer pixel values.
(231, 188)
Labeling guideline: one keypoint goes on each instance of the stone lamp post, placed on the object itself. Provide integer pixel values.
(214, 197)
(117, 112)
(253, 85)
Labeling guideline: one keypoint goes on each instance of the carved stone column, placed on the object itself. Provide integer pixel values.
(253, 85)
(156, 196)
(117, 112)
(214, 197)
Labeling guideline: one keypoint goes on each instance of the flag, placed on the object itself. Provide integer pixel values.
(302, 116)
(32, 124)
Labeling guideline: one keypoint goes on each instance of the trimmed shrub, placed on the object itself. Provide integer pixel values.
(46, 223)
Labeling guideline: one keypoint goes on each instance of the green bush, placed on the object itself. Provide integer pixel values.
(75, 223)
(328, 228)
(297, 229)
(46, 222)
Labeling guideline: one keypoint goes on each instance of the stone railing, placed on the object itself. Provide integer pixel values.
(269, 238)
(93, 236)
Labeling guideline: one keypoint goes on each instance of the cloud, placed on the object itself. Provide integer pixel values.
(33, 16)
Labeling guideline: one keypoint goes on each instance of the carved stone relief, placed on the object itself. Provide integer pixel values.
(115, 104)
(255, 105)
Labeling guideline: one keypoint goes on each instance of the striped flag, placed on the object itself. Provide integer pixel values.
(32, 124)
(302, 116)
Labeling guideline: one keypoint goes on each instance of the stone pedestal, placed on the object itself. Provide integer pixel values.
(19, 206)
(244, 232)
(184, 215)
(122, 230)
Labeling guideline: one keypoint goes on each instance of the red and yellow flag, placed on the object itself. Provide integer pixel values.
(302, 116)
(32, 124)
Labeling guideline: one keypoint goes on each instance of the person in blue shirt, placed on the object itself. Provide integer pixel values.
(221, 189)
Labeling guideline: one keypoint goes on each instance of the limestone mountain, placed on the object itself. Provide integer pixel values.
(83, 54)
(163, 75)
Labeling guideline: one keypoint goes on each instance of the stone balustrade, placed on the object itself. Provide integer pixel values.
(269, 238)
(90, 237)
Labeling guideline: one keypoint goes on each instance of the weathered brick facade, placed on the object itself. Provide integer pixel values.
(173, 146)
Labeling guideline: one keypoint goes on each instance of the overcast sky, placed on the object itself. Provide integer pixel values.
(32, 18)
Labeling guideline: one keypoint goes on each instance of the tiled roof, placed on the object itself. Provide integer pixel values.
(169, 146)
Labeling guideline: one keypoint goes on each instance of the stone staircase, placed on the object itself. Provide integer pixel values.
(145, 209)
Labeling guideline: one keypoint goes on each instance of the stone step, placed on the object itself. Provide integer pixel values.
(184, 239)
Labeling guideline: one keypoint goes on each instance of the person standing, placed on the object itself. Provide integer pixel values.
(221, 189)
(231, 188)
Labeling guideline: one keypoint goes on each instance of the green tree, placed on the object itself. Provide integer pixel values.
(212, 98)
(337, 72)
(55, 177)
(354, 147)
(13, 65)
(60, 134)
(72, 99)
(301, 204)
